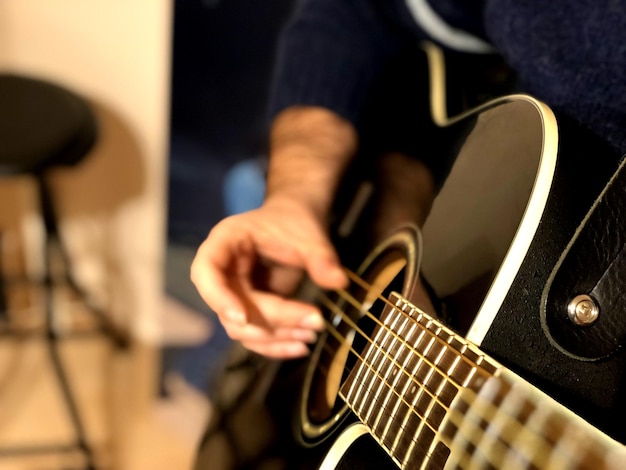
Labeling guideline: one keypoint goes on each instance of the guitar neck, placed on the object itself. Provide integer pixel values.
(432, 398)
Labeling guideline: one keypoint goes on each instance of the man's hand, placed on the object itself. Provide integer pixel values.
(249, 265)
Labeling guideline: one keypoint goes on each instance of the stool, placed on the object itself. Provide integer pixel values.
(45, 126)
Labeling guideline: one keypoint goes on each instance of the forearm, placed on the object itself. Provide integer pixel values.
(310, 148)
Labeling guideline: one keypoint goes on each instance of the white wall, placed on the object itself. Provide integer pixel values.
(116, 53)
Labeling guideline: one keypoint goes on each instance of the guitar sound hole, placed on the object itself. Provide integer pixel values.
(338, 349)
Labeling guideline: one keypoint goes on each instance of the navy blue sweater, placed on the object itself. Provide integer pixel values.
(570, 54)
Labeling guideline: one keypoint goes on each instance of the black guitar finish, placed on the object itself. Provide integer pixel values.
(593, 265)
(531, 333)
(593, 384)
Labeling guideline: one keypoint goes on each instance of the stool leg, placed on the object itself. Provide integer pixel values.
(66, 391)
(119, 338)
(53, 339)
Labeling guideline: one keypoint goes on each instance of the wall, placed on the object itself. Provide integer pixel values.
(116, 53)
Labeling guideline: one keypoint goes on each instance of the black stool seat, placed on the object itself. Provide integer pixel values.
(42, 125)
(45, 126)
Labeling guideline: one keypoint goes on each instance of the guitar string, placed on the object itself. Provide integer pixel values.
(491, 408)
(456, 417)
(332, 330)
(355, 303)
(548, 443)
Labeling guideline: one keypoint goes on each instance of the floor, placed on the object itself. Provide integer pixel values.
(125, 430)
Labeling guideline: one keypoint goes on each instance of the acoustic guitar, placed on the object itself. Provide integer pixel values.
(521, 365)
(393, 377)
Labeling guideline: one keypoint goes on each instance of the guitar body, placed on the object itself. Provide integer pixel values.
(513, 318)
(593, 384)
(504, 252)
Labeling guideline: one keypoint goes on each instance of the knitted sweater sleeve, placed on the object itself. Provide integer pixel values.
(329, 56)
(571, 55)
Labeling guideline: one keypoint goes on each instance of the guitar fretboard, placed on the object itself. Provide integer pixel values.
(506, 426)
(432, 399)
(407, 379)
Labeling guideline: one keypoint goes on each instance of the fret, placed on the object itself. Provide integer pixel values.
(463, 371)
(431, 398)
(476, 431)
(418, 446)
(355, 389)
(420, 399)
(408, 377)
(390, 367)
(380, 352)
(437, 456)
(424, 407)
(456, 369)
(436, 412)
(411, 392)
(510, 425)
(400, 382)
(357, 392)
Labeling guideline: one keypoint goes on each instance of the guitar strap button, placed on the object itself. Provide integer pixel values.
(583, 310)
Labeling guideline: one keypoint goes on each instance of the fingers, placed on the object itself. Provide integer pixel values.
(270, 317)
(268, 309)
(225, 273)
(262, 321)
(279, 350)
(275, 327)
(279, 343)
(220, 259)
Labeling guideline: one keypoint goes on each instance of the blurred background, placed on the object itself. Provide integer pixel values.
(178, 89)
(223, 52)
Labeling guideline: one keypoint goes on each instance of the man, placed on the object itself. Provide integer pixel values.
(572, 55)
